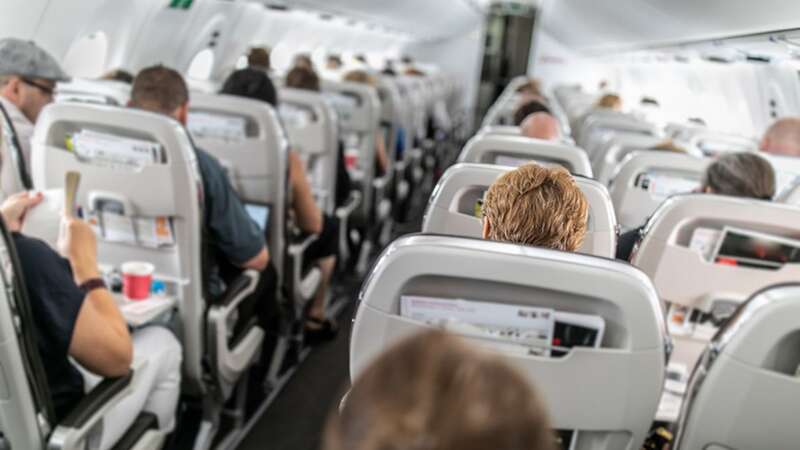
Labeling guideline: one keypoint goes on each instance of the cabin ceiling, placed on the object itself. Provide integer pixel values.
(420, 19)
(610, 25)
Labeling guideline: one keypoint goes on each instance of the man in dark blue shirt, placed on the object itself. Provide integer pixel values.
(235, 241)
(231, 232)
(76, 317)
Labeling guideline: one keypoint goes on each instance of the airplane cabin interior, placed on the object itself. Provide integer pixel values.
(409, 225)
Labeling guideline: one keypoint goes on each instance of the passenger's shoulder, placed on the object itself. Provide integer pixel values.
(209, 165)
(29, 244)
(33, 252)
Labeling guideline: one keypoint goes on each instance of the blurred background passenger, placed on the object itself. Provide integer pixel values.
(610, 101)
(121, 75)
(303, 60)
(435, 392)
(782, 137)
(527, 108)
(745, 175)
(309, 218)
(259, 59)
(541, 125)
(381, 156)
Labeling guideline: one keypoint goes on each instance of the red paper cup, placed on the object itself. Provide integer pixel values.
(136, 279)
(351, 159)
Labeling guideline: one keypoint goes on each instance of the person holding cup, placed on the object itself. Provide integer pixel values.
(77, 317)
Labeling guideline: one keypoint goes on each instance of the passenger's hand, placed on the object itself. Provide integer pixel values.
(16, 206)
(79, 245)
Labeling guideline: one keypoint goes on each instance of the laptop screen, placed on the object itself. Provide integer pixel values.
(259, 213)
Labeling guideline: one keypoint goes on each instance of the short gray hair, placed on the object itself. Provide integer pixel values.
(743, 174)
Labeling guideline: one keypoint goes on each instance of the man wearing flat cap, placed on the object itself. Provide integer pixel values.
(28, 76)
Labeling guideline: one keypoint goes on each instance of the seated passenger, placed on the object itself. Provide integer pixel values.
(121, 75)
(435, 392)
(259, 59)
(76, 316)
(28, 77)
(302, 78)
(610, 101)
(782, 138)
(388, 69)
(538, 206)
(381, 157)
(668, 145)
(303, 60)
(257, 85)
(532, 87)
(235, 241)
(541, 125)
(299, 78)
(333, 62)
(527, 108)
(743, 174)
(414, 72)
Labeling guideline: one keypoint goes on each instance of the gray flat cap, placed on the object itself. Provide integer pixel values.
(26, 59)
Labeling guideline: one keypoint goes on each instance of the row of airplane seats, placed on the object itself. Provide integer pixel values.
(634, 281)
(686, 319)
(149, 194)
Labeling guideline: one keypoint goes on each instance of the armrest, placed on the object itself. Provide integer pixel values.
(343, 213)
(229, 363)
(297, 249)
(353, 202)
(403, 188)
(380, 183)
(415, 154)
(73, 430)
(239, 289)
(304, 286)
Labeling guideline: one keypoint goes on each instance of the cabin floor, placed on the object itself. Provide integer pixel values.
(296, 418)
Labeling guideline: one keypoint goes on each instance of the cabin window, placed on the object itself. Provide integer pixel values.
(202, 65)
(86, 57)
(241, 63)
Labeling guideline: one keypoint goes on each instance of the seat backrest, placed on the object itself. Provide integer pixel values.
(681, 237)
(682, 131)
(488, 286)
(597, 124)
(575, 105)
(502, 111)
(391, 114)
(313, 130)
(713, 143)
(247, 137)
(406, 110)
(410, 89)
(158, 195)
(505, 130)
(99, 92)
(453, 207)
(646, 178)
(419, 116)
(358, 108)
(787, 177)
(606, 162)
(745, 391)
(518, 150)
(26, 414)
(12, 151)
(513, 85)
